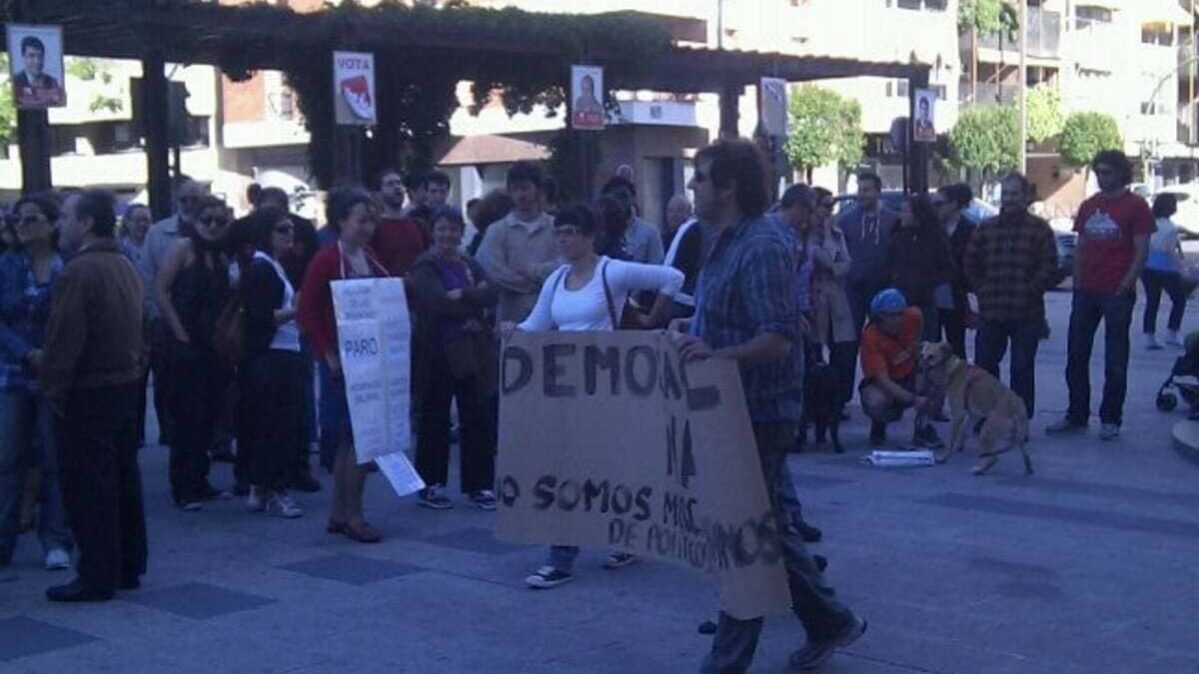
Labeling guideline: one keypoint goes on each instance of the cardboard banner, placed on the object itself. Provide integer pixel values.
(354, 88)
(35, 66)
(608, 440)
(586, 94)
(773, 102)
(374, 335)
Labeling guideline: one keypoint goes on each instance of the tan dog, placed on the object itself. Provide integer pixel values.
(973, 393)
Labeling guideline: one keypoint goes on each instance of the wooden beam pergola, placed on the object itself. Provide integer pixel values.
(255, 37)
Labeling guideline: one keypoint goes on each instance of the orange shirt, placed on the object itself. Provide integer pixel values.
(893, 356)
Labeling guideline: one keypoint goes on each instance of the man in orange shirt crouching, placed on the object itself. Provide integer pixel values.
(890, 381)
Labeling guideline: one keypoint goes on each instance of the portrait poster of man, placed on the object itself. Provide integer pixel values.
(586, 93)
(35, 63)
(773, 105)
(925, 128)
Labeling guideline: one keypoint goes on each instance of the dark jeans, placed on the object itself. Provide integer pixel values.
(953, 322)
(333, 420)
(27, 442)
(859, 306)
(812, 600)
(271, 420)
(101, 483)
(1116, 314)
(161, 341)
(1155, 282)
(931, 320)
(477, 465)
(991, 344)
(199, 402)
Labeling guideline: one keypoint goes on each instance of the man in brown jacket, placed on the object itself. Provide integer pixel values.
(90, 374)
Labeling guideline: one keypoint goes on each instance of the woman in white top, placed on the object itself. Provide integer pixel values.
(1163, 271)
(589, 292)
(271, 426)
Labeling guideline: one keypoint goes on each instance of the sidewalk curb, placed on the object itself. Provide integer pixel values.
(1186, 439)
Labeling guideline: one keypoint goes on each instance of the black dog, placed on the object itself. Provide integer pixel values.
(821, 406)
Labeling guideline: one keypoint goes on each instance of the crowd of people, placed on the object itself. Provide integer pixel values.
(234, 317)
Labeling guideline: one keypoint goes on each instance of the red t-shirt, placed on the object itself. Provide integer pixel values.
(1106, 227)
(398, 242)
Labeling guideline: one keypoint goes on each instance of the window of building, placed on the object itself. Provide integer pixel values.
(929, 5)
(1158, 34)
(1087, 15)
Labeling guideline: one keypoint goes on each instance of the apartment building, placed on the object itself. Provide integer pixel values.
(1131, 59)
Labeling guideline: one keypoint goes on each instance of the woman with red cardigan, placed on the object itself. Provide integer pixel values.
(351, 214)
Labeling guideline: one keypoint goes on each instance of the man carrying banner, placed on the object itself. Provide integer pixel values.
(745, 311)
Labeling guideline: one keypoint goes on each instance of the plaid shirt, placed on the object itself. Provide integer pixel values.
(24, 308)
(746, 288)
(1010, 263)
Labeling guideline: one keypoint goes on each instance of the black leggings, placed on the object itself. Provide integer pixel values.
(271, 421)
(477, 466)
(1155, 282)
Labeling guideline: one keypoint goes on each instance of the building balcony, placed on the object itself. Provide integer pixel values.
(987, 93)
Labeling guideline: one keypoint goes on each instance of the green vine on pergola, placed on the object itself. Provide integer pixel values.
(416, 86)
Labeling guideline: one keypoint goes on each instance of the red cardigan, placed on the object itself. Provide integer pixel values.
(315, 313)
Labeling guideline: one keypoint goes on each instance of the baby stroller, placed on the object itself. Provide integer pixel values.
(1184, 378)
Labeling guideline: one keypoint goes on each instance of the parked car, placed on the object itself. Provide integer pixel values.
(979, 211)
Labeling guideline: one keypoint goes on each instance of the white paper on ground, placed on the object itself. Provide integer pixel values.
(884, 459)
(399, 472)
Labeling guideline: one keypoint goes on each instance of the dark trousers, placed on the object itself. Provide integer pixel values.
(101, 483)
(477, 465)
(812, 600)
(198, 404)
(953, 322)
(331, 425)
(1155, 282)
(1116, 314)
(271, 424)
(161, 341)
(859, 307)
(991, 345)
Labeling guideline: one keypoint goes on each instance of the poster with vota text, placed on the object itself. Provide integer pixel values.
(35, 66)
(586, 95)
(354, 88)
(608, 440)
(374, 335)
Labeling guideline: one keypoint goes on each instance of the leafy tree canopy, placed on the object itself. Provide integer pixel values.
(825, 128)
(986, 139)
(1085, 134)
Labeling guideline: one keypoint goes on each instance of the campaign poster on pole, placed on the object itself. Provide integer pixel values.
(925, 128)
(354, 88)
(374, 335)
(586, 93)
(35, 66)
(608, 439)
(772, 103)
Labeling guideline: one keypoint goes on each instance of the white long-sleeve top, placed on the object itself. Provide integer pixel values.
(587, 307)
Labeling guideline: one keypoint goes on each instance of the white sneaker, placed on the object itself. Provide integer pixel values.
(281, 505)
(1172, 339)
(1109, 431)
(57, 560)
(547, 577)
(1151, 342)
(254, 502)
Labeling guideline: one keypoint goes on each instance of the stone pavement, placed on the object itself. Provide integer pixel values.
(1089, 566)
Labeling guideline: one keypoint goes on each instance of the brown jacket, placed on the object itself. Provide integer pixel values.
(94, 334)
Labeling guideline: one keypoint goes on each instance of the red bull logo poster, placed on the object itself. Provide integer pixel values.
(354, 88)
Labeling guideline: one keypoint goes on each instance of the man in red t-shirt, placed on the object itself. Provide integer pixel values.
(398, 239)
(1113, 241)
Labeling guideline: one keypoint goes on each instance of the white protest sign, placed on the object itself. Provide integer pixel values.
(374, 335)
(354, 88)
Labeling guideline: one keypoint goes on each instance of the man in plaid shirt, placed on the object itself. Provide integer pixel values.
(1010, 263)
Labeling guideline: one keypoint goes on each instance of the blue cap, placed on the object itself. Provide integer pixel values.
(889, 301)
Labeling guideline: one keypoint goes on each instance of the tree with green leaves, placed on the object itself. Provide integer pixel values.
(986, 139)
(989, 16)
(1086, 134)
(8, 112)
(1045, 116)
(826, 128)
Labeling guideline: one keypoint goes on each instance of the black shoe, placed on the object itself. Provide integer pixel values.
(223, 455)
(129, 583)
(76, 592)
(809, 533)
(707, 627)
(878, 434)
(306, 483)
(927, 437)
(821, 562)
(241, 489)
(817, 653)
